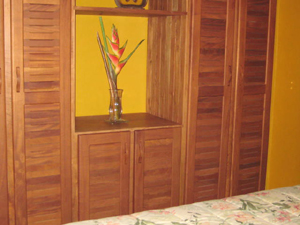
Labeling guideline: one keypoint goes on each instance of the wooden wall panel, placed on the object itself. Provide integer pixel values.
(167, 58)
(3, 149)
(41, 48)
(256, 26)
(104, 175)
(211, 93)
(157, 160)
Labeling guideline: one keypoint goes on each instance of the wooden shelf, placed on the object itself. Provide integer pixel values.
(82, 10)
(136, 121)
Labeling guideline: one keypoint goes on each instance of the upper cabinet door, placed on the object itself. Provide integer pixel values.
(251, 126)
(104, 162)
(3, 150)
(211, 95)
(157, 168)
(41, 117)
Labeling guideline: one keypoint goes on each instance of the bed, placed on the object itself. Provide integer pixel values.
(278, 206)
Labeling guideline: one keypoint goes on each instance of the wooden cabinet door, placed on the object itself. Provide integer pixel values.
(211, 99)
(251, 125)
(41, 110)
(3, 150)
(104, 162)
(157, 166)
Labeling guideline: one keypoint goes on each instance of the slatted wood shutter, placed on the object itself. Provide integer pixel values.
(157, 165)
(211, 93)
(41, 114)
(230, 97)
(3, 150)
(104, 162)
(256, 28)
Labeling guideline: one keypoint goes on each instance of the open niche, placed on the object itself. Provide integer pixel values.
(154, 79)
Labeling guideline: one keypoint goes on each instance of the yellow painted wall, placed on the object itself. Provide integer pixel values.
(92, 95)
(284, 147)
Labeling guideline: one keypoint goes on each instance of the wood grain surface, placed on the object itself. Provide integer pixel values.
(4, 216)
(253, 93)
(92, 124)
(211, 96)
(104, 162)
(157, 170)
(81, 10)
(41, 99)
(230, 97)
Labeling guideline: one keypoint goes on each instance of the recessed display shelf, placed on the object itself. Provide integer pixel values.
(83, 10)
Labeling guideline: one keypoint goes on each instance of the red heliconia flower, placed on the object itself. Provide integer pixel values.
(118, 52)
(116, 63)
(112, 62)
(115, 36)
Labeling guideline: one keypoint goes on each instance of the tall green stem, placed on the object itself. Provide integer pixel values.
(113, 77)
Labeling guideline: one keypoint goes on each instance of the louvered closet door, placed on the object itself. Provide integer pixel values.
(3, 150)
(211, 86)
(41, 98)
(256, 28)
(104, 162)
(157, 166)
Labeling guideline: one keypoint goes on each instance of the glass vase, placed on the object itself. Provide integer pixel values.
(115, 106)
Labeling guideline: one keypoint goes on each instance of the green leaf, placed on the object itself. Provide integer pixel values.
(244, 206)
(111, 82)
(251, 206)
(103, 33)
(137, 221)
(176, 223)
(145, 222)
(124, 45)
(128, 57)
(282, 205)
(106, 49)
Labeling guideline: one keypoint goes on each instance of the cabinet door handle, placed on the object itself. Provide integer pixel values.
(126, 154)
(141, 153)
(18, 86)
(0, 81)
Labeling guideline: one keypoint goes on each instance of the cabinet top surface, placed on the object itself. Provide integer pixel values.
(135, 121)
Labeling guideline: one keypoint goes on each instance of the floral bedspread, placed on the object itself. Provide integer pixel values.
(278, 206)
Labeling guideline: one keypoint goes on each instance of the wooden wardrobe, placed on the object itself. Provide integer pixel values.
(204, 134)
(230, 89)
(37, 119)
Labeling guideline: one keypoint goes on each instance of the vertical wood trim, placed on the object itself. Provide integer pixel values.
(268, 82)
(239, 92)
(233, 93)
(229, 76)
(84, 184)
(73, 115)
(4, 216)
(9, 125)
(18, 114)
(65, 99)
(139, 168)
(125, 170)
(185, 112)
(75, 176)
(195, 18)
(131, 174)
(175, 166)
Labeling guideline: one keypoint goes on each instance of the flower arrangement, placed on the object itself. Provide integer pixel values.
(113, 66)
(112, 61)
